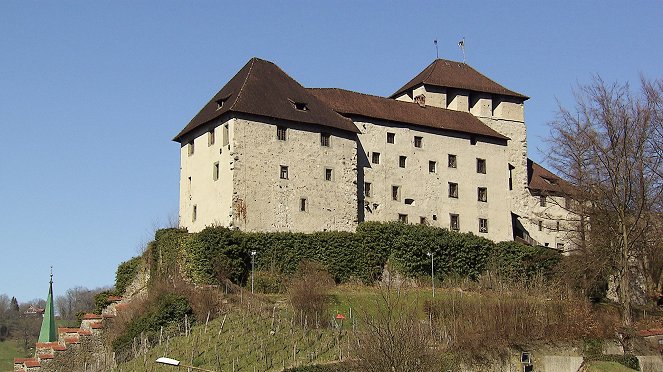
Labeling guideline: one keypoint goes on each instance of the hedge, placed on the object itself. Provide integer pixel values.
(218, 252)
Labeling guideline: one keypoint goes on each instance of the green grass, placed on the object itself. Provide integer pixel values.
(600, 366)
(10, 349)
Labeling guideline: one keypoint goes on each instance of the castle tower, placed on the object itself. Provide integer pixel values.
(48, 331)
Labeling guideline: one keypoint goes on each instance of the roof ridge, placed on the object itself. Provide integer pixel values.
(239, 94)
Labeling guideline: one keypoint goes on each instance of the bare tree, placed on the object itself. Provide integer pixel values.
(75, 300)
(391, 336)
(608, 147)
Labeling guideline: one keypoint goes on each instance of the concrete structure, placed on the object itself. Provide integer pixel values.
(448, 149)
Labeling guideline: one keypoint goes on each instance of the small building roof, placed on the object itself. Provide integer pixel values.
(352, 103)
(452, 74)
(543, 180)
(262, 88)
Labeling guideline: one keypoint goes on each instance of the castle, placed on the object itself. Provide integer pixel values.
(448, 149)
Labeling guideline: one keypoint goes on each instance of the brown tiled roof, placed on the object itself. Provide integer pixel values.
(46, 356)
(97, 325)
(541, 179)
(84, 332)
(91, 316)
(352, 103)
(452, 74)
(43, 345)
(114, 298)
(262, 88)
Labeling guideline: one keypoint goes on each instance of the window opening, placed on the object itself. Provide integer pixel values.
(391, 137)
(303, 205)
(482, 194)
(375, 158)
(454, 222)
(395, 193)
(215, 171)
(281, 133)
(481, 166)
(324, 139)
(328, 174)
(432, 166)
(210, 138)
(284, 172)
(483, 225)
(367, 189)
(401, 161)
(402, 218)
(418, 141)
(453, 190)
(452, 161)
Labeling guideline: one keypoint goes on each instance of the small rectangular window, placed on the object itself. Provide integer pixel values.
(560, 246)
(409, 201)
(418, 141)
(303, 205)
(367, 189)
(226, 136)
(215, 171)
(540, 225)
(453, 190)
(482, 194)
(281, 133)
(432, 166)
(542, 200)
(324, 139)
(435, 217)
(328, 174)
(194, 213)
(454, 222)
(557, 226)
(391, 137)
(395, 193)
(473, 140)
(401, 161)
(483, 225)
(375, 158)
(452, 161)
(422, 221)
(284, 172)
(481, 166)
(210, 137)
(190, 148)
(402, 218)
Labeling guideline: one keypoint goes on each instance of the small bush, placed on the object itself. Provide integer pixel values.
(267, 282)
(308, 291)
(101, 301)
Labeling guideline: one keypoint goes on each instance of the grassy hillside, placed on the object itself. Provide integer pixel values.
(9, 350)
(247, 336)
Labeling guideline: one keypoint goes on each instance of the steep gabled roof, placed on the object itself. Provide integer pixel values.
(352, 103)
(262, 88)
(452, 74)
(541, 179)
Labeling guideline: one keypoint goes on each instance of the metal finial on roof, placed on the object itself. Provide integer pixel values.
(461, 45)
(437, 53)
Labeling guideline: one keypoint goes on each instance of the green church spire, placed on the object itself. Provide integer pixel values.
(48, 331)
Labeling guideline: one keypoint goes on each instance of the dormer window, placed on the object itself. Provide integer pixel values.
(220, 103)
(300, 106)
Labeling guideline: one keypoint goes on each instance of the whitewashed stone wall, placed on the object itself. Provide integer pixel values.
(429, 191)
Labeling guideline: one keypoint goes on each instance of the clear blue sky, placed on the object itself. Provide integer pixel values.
(91, 93)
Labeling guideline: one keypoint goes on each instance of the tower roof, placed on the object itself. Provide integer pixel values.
(452, 74)
(48, 331)
(262, 88)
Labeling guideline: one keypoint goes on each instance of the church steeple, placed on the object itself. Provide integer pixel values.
(48, 331)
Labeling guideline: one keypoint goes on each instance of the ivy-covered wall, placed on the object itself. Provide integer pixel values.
(218, 252)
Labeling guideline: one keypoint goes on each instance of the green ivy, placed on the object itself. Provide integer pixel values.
(218, 252)
(125, 274)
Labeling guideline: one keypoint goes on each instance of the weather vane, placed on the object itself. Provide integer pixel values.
(461, 45)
